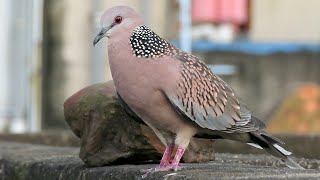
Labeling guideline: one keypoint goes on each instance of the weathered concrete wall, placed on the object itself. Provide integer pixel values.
(264, 81)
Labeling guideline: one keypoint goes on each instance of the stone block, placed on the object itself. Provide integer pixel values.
(108, 135)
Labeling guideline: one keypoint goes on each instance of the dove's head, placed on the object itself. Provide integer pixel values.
(116, 21)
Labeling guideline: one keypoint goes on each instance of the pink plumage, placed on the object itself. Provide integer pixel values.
(174, 92)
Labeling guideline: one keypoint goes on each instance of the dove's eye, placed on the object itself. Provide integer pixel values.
(117, 19)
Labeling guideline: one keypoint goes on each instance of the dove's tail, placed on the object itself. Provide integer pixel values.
(272, 145)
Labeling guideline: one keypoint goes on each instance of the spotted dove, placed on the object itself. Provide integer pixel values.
(175, 93)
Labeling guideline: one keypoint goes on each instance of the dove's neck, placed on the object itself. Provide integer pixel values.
(123, 64)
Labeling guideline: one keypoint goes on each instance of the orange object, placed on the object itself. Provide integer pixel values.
(299, 113)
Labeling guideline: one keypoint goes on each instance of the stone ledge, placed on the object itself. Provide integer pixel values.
(37, 162)
(306, 146)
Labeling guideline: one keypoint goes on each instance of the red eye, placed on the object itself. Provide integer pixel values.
(117, 20)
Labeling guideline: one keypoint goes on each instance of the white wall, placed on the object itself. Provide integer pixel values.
(4, 54)
(285, 20)
(20, 31)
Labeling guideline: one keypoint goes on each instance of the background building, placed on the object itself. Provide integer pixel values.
(265, 49)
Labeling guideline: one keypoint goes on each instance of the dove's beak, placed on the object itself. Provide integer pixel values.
(102, 33)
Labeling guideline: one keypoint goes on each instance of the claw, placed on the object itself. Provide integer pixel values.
(176, 168)
(146, 172)
(160, 169)
(153, 170)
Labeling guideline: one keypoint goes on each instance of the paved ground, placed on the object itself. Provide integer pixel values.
(38, 162)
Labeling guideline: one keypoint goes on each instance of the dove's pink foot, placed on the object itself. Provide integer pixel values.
(164, 163)
(165, 166)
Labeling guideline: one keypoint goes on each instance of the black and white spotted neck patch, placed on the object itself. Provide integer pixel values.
(147, 44)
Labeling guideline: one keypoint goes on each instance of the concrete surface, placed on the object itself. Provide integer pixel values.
(26, 161)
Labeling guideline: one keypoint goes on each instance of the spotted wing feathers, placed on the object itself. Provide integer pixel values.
(206, 99)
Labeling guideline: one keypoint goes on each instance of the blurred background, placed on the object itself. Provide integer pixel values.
(267, 50)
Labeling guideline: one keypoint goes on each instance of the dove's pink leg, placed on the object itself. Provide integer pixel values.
(165, 161)
(175, 162)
